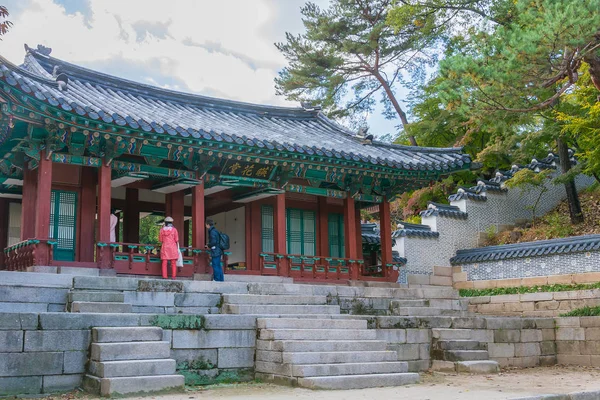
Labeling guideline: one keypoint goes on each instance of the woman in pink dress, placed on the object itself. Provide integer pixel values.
(169, 250)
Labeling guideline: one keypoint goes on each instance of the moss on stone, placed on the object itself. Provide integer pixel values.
(207, 377)
(178, 321)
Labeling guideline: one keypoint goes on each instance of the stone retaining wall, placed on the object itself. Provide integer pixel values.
(543, 304)
(45, 353)
(578, 341)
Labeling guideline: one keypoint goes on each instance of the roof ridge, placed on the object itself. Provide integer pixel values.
(133, 86)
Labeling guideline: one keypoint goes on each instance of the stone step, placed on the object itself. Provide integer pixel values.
(248, 299)
(279, 309)
(320, 345)
(96, 297)
(478, 367)
(130, 351)
(459, 345)
(133, 384)
(257, 278)
(315, 357)
(99, 307)
(127, 334)
(426, 312)
(409, 303)
(451, 334)
(318, 334)
(460, 355)
(358, 381)
(113, 369)
(304, 323)
(356, 368)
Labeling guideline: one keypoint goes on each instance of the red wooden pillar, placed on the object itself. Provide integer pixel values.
(131, 220)
(104, 194)
(359, 249)
(280, 233)
(28, 203)
(248, 233)
(323, 226)
(254, 247)
(175, 209)
(199, 226)
(350, 234)
(87, 215)
(4, 215)
(44, 192)
(385, 229)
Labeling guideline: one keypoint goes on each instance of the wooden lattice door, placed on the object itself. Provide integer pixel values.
(63, 218)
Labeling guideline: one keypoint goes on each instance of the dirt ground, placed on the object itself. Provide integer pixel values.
(507, 385)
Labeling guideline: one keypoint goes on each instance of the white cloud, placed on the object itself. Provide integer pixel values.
(213, 47)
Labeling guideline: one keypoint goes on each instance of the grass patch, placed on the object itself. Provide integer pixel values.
(178, 321)
(527, 289)
(583, 312)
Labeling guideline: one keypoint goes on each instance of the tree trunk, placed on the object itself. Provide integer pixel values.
(594, 63)
(572, 196)
(399, 111)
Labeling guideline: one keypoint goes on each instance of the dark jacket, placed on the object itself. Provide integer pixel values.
(213, 242)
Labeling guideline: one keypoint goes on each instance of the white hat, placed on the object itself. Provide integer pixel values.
(168, 219)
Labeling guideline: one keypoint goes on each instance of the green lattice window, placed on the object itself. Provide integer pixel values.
(301, 232)
(63, 218)
(335, 224)
(267, 231)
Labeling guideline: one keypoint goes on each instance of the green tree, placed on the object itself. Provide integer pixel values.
(510, 66)
(349, 55)
(149, 229)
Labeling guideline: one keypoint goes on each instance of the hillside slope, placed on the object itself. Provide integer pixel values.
(555, 224)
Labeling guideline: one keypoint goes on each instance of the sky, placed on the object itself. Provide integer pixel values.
(219, 48)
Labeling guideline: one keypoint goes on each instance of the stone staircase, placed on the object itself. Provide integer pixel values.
(83, 301)
(257, 304)
(128, 360)
(429, 307)
(453, 350)
(326, 354)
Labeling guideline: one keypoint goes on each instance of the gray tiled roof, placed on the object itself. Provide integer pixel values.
(469, 193)
(133, 105)
(414, 230)
(528, 249)
(443, 210)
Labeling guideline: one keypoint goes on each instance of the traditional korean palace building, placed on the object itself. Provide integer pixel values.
(287, 184)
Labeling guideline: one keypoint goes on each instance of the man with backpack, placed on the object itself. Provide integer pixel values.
(217, 243)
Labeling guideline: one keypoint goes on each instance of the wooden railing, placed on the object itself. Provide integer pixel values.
(29, 253)
(324, 268)
(144, 259)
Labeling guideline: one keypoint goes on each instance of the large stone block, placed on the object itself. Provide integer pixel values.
(531, 335)
(504, 323)
(61, 383)
(469, 323)
(35, 279)
(20, 385)
(31, 364)
(590, 347)
(572, 322)
(497, 350)
(212, 322)
(127, 334)
(569, 347)
(392, 335)
(236, 358)
(527, 349)
(188, 339)
(75, 362)
(105, 283)
(11, 341)
(57, 340)
(507, 335)
(548, 348)
(10, 321)
(9, 307)
(147, 299)
(197, 299)
(570, 334)
(418, 336)
(60, 321)
(217, 287)
(567, 359)
(406, 351)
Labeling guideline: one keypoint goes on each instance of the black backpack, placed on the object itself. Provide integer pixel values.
(223, 241)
